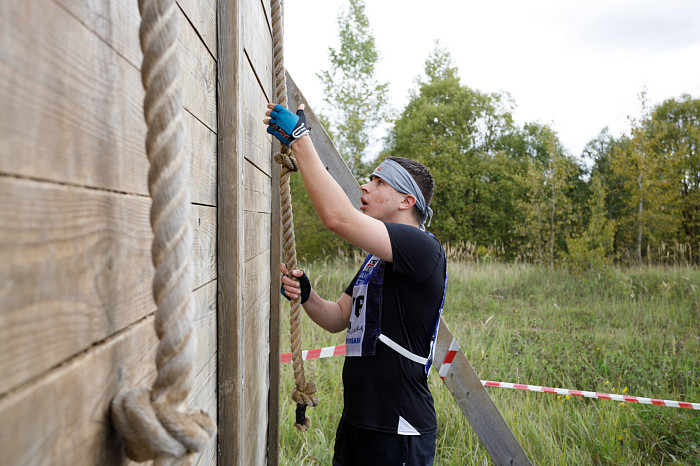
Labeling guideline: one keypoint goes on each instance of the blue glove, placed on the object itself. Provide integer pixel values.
(286, 126)
(305, 286)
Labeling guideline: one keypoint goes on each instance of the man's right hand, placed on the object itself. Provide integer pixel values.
(291, 288)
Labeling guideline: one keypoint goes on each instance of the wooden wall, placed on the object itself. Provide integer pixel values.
(76, 311)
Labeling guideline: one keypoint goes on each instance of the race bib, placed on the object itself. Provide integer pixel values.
(366, 315)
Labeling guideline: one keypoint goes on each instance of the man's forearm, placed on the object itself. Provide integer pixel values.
(326, 314)
(326, 195)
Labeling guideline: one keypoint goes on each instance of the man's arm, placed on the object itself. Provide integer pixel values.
(334, 208)
(329, 315)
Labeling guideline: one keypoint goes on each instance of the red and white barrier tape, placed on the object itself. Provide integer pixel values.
(605, 396)
(326, 352)
(339, 350)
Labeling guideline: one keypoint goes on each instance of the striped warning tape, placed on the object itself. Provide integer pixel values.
(326, 352)
(605, 396)
(339, 350)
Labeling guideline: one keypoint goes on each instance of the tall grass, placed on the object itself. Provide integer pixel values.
(634, 331)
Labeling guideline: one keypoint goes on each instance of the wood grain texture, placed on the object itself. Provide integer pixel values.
(63, 418)
(231, 351)
(257, 42)
(202, 16)
(257, 381)
(75, 267)
(273, 435)
(72, 103)
(477, 406)
(256, 141)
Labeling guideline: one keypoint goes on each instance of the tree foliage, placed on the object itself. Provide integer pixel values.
(358, 101)
(453, 130)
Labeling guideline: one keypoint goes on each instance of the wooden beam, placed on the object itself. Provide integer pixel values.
(476, 404)
(231, 236)
(329, 155)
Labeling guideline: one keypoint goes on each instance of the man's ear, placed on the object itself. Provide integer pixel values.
(408, 201)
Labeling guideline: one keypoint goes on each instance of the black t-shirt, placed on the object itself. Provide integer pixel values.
(380, 389)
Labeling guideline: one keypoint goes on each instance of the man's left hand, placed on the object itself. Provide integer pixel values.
(285, 125)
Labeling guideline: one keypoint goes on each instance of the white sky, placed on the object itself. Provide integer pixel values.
(575, 64)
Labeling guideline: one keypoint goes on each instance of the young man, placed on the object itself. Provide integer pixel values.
(391, 308)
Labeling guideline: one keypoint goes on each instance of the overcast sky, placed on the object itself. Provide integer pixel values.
(578, 65)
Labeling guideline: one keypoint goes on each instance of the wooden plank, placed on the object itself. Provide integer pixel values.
(257, 234)
(258, 185)
(69, 126)
(257, 283)
(256, 142)
(256, 380)
(75, 267)
(117, 24)
(477, 406)
(257, 43)
(198, 76)
(231, 352)
(63, 418)
(329, 155)
(202, 16)
(273, 436)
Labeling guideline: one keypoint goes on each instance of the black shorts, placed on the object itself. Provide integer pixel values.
(356, 446)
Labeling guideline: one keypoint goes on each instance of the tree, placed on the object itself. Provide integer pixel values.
(680, 147)
(640, 166)
(358, 101)
(594, 247)
(453, 130)
(546, 204)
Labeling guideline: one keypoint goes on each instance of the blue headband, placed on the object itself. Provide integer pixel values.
(402, 181)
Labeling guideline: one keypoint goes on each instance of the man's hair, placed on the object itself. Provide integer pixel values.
(423, 179)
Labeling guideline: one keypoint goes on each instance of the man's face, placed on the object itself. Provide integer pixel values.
(379, 200)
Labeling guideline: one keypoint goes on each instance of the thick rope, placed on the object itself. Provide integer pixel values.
(305, 392)
(155, 423)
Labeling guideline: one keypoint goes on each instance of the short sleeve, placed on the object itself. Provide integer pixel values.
(415, 252)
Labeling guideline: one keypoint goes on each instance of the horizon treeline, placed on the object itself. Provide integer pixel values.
(509, 192)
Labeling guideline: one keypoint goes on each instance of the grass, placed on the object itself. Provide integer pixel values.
(629, 330)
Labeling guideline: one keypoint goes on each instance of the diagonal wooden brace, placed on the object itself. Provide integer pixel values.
(476, 404)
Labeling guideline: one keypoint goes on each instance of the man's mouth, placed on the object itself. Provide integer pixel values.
(364, 204)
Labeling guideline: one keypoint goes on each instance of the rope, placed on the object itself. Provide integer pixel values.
(304, 393)
(154, 423)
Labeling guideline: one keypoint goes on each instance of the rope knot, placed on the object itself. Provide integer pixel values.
(307, 396)
(287, 160)
(156, 430)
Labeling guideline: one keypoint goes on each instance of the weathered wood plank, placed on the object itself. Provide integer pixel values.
(256, 142)
(256, 380)
(329, 155)
(63, 418)
(257, 283)
(75, 267)
(275, 324)
(257, 185)
(117, 23)
(257, 43)
(257, 234)
(198, 76)
(202, 15)
(477, 406)
(68, 125)
(231, 351)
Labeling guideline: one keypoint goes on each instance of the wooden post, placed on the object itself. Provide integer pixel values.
(230, 236)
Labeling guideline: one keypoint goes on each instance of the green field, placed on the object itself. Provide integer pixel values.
(627, 330)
